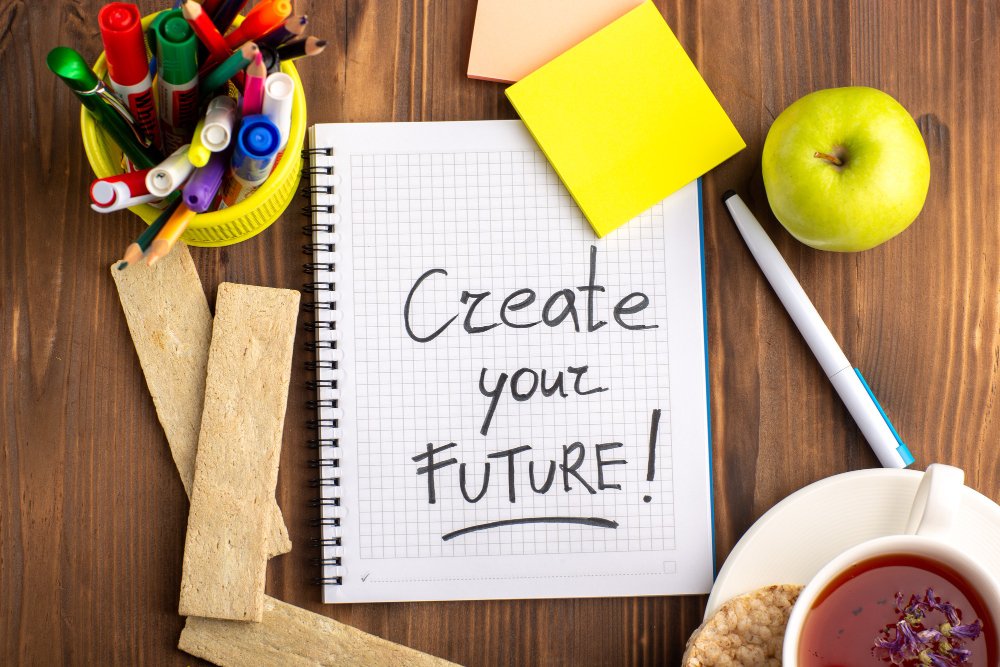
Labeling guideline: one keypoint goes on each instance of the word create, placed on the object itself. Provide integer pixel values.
(569, 464)
(558, 307)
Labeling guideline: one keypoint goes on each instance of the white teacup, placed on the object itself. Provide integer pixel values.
(928, 530)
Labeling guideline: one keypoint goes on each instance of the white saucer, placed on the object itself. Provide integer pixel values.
(796, 537)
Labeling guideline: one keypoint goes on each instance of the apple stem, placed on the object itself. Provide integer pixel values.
(832, 159)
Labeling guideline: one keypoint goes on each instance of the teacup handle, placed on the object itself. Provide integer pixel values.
(937, 501)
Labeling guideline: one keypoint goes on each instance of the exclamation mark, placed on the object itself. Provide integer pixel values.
(651, 461)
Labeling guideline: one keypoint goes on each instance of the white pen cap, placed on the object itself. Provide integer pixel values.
(170, 174)
(107, 197)
(220, 117)
(278, 91)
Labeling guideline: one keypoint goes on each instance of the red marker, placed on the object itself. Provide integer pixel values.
(128, 68)
(122, 191)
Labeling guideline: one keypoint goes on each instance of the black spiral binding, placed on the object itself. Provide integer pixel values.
(323, 367)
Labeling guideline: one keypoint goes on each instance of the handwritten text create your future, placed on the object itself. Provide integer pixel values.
(575, 309)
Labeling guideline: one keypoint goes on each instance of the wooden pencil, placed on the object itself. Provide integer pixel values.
(300, 48)
(136, 249)
(168, 236)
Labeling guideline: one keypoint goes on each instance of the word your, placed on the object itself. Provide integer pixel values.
(557, 308)
(522, 391)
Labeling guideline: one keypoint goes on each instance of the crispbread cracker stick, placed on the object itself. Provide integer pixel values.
(746, 631)
(236, 468)
(171, 326)
(292, 636)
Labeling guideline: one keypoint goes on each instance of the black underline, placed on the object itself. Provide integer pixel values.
(597, 522)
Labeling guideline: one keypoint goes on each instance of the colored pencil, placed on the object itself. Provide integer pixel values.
(136, 249)
(310, 46)
(206, 31)
(172, 230)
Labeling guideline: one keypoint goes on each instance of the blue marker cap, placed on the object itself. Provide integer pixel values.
(259, 136)
(256, 145)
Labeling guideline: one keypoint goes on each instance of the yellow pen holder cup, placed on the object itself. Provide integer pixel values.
(230, 225)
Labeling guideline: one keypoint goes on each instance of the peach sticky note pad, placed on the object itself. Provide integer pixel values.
(625, 118)
(515, 37)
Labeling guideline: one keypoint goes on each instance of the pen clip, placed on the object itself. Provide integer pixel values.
(112, 101)
(902, 449)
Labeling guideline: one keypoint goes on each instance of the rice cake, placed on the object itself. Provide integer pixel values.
(236, 468)
(292, 636)
(746, 631)
(171, 327)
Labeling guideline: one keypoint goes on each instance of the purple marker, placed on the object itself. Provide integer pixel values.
(201, 188)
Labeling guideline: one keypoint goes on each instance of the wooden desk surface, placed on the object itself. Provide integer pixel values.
(92, 513)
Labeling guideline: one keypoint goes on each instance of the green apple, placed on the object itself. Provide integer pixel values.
(845, 169)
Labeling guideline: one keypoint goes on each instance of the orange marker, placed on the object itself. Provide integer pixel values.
(262, 19)
(165, 240)
(206, 31)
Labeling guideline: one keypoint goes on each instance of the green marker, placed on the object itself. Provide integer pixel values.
(102, 104)
(177, 72)
(228, 68)
(151, 30)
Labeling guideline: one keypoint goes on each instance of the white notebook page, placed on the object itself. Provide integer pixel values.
(558, 388)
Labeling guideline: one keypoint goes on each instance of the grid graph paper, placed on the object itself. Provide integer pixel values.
(499, 222)
(492, 224)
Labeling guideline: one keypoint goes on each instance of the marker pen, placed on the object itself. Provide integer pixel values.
(219, 120)
(107, 109)
(204, 183)
(170, 174)
(278, 91)
(253, 157)
(262, 19)
(198, 153)
(115, 193)
(128, 68)
(177, 61)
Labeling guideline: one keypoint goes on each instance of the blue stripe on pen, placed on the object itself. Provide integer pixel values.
(902, 449)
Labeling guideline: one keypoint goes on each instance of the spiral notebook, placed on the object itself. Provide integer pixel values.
(507, 406)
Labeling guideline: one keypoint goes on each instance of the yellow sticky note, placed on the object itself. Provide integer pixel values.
(625, 118)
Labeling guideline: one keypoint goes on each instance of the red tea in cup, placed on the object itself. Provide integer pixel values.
(855, 620)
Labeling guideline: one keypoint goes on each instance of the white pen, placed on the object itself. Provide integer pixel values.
(220, 117)
(848, 381)
(170, 174)
(278, 91)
